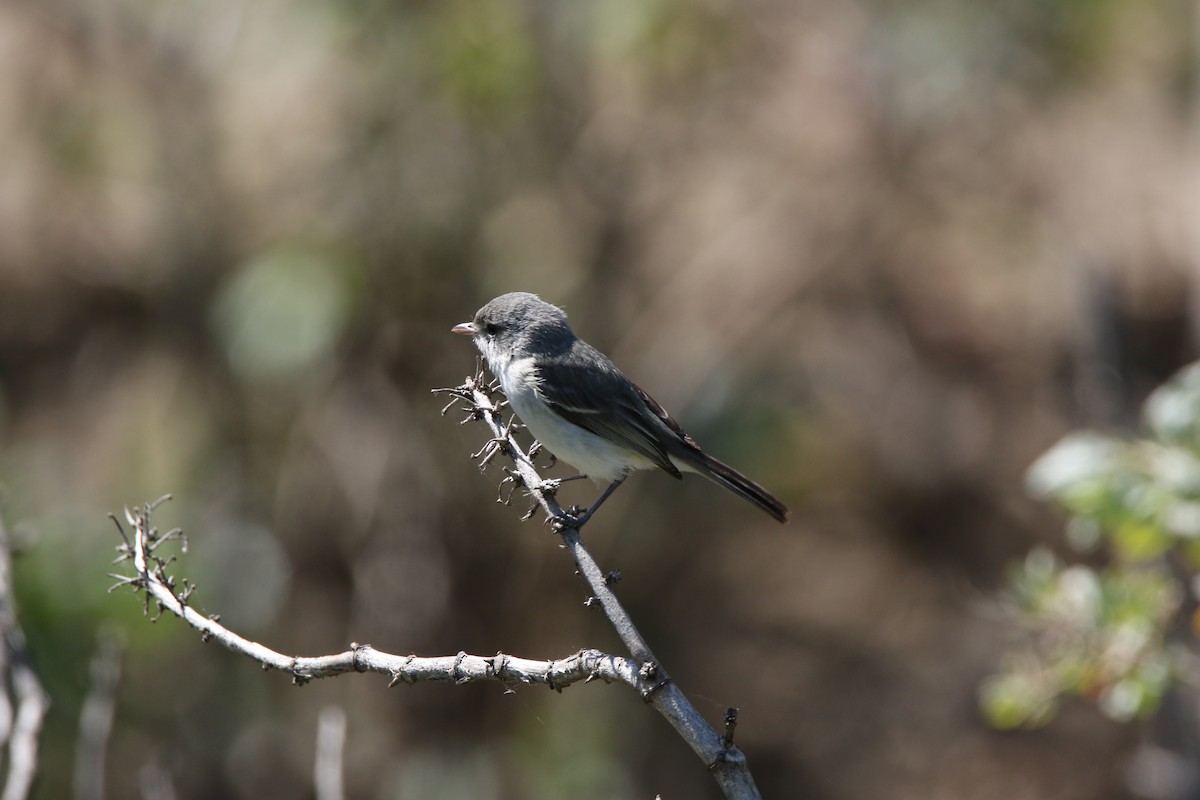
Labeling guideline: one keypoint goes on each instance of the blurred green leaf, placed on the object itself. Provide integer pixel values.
(1171, 469)
(1099, 634)
(1140, 693)
(1013, 700)
(1173, 411)
(1078, 466)
(1084, 534)
(1139, 541)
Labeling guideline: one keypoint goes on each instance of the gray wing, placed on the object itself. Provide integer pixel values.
(594, 395)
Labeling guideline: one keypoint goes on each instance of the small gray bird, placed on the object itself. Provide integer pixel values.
(583, 409)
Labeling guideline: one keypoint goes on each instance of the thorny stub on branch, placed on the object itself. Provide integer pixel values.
(481, 400)
(145, 561)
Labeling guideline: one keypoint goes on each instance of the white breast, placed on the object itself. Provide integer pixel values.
(594, 456)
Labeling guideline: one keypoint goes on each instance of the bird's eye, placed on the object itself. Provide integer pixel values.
(491, 328)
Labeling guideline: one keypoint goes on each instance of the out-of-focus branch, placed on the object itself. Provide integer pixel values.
(150, 575)
(20, 731)
(331, 742)
(32, 703)
(726, 762)
(96, 719)
(155, 782)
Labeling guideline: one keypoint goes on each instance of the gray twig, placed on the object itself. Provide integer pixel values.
(151, 577)
(726, 762)
(643, 672)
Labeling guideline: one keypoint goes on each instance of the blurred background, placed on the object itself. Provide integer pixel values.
(878, 255)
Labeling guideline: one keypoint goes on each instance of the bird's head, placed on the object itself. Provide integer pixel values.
(515, 324)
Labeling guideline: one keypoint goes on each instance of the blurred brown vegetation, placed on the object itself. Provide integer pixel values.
(878, 255)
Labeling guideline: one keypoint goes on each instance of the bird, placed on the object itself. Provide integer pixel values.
(583, 409)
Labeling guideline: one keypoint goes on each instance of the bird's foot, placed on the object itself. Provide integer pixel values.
(572, 517)
(575, 517)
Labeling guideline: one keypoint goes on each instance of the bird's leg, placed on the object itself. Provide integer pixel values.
(577, 522)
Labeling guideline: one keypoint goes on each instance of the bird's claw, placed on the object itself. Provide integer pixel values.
(561, 522)
(573, 517)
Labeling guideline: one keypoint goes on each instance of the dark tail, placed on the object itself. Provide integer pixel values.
(734, 481)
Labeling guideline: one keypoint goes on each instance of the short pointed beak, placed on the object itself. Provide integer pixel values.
(464, 328)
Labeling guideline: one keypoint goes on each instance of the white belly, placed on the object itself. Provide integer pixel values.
(594, 456)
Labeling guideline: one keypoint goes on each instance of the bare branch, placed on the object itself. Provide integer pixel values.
(643, 672)
(151, 576)
(724, 760)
